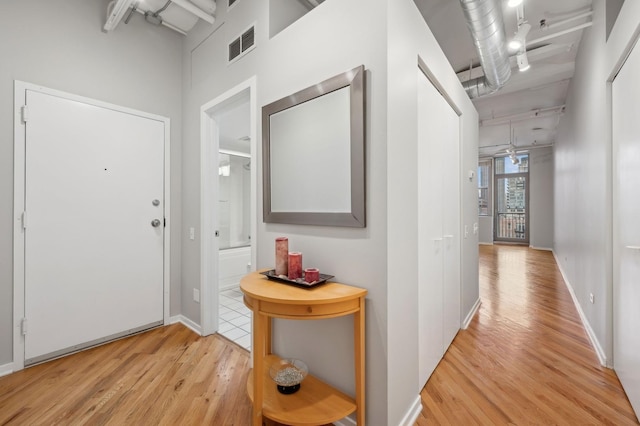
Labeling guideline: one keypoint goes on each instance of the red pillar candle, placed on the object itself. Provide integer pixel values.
(311, 275)
(295, 266)
(282, 256)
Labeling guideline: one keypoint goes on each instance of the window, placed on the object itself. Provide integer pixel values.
(506, 166)
(484, 187)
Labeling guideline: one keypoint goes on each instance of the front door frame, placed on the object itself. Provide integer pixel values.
(19, 188)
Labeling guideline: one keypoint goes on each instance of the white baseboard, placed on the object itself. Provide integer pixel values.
(484, 244)
(597, 347)
(541, 248)
(471, 314)
(413, 413)
(187, 323)
(6, 369)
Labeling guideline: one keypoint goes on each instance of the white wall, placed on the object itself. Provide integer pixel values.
(583, 171)
(485, 230)
(380, 257)
(409, 37)
(60, 45)
(332, 38)
(583, 182)
(541, 198)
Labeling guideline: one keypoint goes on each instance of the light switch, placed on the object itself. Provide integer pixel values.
(475, 228)
(192, 233)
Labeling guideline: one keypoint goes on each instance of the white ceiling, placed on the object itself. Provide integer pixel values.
(526, 102)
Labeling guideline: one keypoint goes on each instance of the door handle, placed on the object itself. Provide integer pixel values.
(155, 223)
(633, 247)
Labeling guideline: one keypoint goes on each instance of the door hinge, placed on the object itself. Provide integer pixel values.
(24, 113)
(24, 220)
(24, 326)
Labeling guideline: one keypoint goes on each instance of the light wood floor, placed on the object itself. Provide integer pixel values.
(525, 359)
(167, 376)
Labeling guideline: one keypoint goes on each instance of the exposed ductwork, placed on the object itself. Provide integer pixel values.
(485, 23)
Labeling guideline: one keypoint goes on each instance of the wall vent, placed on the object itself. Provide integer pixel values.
(234, 49)
(248, 39)
(242, 44)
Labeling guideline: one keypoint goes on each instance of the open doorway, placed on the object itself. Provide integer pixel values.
(228, 217)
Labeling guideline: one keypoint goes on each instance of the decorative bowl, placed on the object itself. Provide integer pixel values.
(288, 373)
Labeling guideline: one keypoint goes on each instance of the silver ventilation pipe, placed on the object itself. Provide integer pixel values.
(485, 23)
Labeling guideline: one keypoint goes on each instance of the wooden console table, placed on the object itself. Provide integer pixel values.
(316, 403)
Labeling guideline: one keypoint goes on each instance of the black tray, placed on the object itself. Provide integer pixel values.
(271, 274)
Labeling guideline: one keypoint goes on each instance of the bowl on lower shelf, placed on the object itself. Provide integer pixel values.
(288, 374)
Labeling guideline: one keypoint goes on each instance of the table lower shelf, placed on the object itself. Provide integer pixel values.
(316, 403)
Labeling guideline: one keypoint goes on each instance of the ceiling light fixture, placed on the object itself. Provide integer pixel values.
(520, 37)
(523, 61)
(514, 3)
(116, 11)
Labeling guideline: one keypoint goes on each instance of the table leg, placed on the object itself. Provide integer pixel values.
(259, 329)
(268, 336)
(359, 348)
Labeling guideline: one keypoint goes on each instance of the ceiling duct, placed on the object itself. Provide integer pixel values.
(485, 23)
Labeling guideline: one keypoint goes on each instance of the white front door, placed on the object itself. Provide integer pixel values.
(94, 183)
(626, 239)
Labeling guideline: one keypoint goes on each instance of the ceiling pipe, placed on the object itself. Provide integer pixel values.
(486, 25)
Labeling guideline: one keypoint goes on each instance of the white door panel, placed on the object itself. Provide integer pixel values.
(93, 262)
(438, 223)
(626, 211)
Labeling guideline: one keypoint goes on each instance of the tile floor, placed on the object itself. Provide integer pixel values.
(235, 318)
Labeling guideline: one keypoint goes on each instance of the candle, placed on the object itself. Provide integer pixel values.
(295, 265)
(311, 275)
(282, 256)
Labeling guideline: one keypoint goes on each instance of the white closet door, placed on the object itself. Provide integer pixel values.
(430, 236)
(93, 260)
(438, 226)
(451, 224)
(626, 210)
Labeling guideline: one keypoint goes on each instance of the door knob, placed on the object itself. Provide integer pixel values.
(155, 223)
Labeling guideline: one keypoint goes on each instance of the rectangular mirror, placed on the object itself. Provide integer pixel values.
(313, 154)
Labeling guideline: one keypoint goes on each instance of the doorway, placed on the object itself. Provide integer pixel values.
(626, 230)
(90, 261)
(229, 215)
(511, 209)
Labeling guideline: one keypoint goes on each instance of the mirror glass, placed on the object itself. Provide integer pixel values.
(313, 150)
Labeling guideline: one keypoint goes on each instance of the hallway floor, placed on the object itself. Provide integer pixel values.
(525, 358)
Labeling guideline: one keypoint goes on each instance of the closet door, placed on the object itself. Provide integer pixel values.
(430, 219)
(438, 226)
(451, 225)
(626, 235)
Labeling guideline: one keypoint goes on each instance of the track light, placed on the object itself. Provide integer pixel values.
(514, 3)
(523, 61)
(116, 11)
(520, 37)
